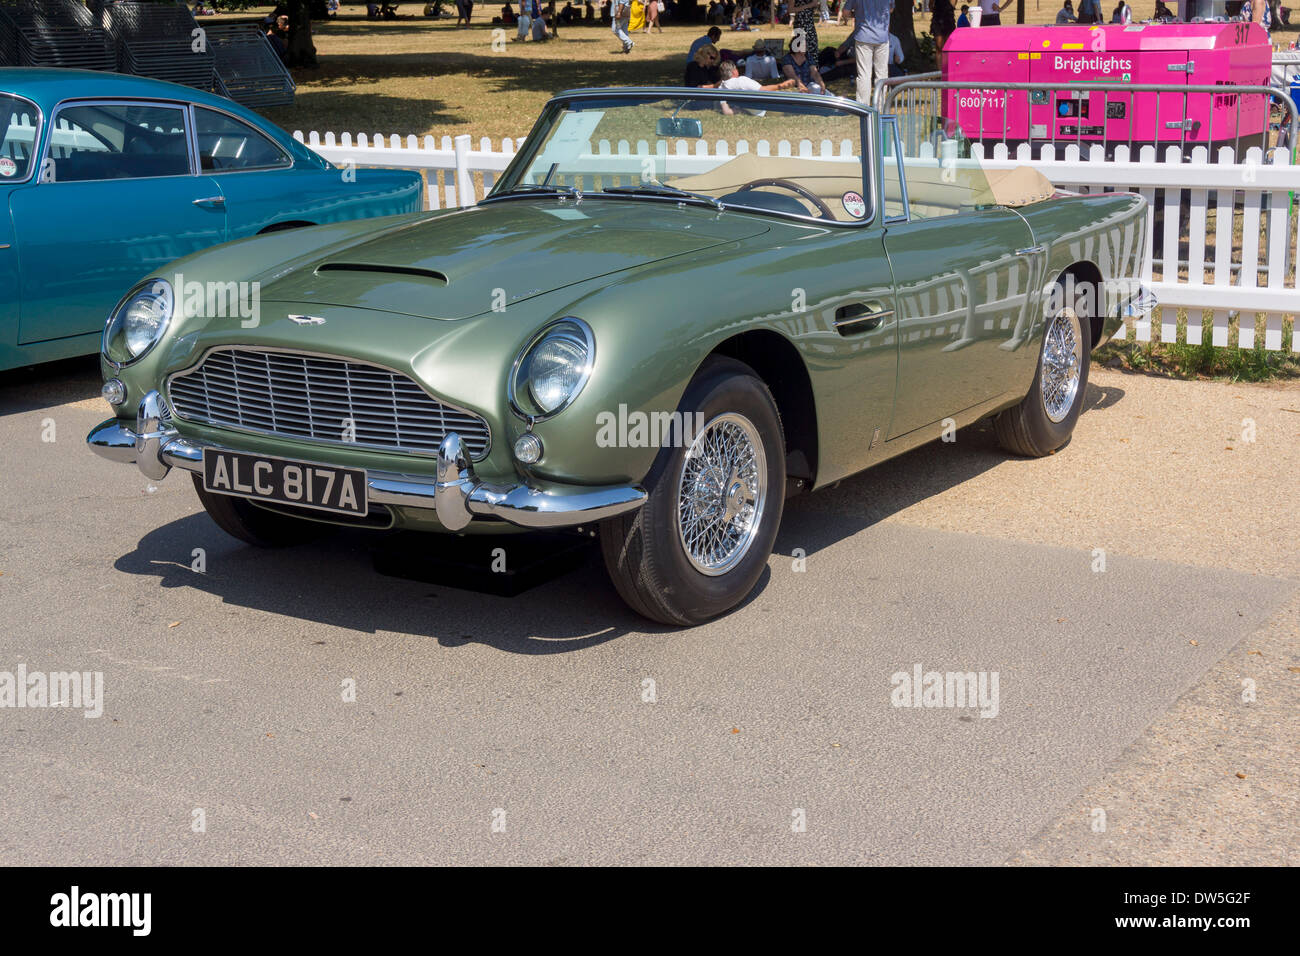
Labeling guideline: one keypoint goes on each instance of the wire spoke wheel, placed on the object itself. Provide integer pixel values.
(1062, 364)
(721, 494)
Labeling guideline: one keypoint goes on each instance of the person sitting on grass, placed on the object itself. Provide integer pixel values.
(842, 62)
(798, 67)
(761, 65)
(730, 79)
(703, 70)
(712, 37)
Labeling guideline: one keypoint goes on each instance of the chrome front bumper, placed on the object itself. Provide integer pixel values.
(457, 494)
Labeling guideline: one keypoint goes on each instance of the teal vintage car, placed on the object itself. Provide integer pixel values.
(665, 319)
(106, 178)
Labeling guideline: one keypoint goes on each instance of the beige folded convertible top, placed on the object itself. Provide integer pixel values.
(930, 191)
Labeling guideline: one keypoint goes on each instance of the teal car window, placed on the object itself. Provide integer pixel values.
(759, 151)
(20, 131)
(226, 144)
(99, 141)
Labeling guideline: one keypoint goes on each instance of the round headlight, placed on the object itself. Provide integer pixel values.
(138, 322)
(552, 369)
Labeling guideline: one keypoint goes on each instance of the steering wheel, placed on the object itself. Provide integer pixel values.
(801, 191)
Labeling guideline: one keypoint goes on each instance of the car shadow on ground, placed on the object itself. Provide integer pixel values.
(46, 386)
(333, 581)
(828, 516)
(336, 579)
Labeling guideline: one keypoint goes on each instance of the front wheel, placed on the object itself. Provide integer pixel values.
(699, 544)
(1045, 419)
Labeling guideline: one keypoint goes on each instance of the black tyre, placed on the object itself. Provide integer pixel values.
(699, 544)
(259, 527)
(1045, 419)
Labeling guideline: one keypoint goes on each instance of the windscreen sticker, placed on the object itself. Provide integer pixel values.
(854, 205)
(8, 167)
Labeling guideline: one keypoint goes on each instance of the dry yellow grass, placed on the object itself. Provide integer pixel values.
(420, 76)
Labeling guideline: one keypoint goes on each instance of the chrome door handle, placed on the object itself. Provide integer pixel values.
(1031, 250)
(860, 317)
(211, 202)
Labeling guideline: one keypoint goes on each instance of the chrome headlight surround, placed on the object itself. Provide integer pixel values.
(138, 322)
(545, 353)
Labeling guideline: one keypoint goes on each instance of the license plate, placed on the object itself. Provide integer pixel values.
(300, 483)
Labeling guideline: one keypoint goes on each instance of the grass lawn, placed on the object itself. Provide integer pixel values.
(424, 76)
(421, 76)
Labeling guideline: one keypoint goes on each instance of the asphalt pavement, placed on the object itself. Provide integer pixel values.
(555, 726)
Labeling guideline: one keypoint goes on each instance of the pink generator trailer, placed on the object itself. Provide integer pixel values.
(1174, 55)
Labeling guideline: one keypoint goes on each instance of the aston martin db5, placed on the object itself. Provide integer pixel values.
(665, 319)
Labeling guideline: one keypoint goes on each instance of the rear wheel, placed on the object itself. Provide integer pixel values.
(699, 544)
(1045, 419)
(244, 520)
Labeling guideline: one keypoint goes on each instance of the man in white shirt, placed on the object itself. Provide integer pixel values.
(731, 80)
(895, 56)
(761, 65)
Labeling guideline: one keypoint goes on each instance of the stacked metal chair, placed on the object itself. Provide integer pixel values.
(249, 70)
(53, 33)
(158, 40)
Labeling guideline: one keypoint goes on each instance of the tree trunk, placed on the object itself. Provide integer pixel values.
(301, 49)
(900, 25)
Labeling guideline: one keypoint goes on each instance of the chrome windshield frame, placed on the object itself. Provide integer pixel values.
(868, 128)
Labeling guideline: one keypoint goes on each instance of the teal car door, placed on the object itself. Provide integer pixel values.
(116, 197)
(257, 177)
(20, 125)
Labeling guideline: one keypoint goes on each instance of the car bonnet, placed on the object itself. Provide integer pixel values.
(489, 257)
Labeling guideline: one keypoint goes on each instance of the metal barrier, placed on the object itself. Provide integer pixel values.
(922, 115)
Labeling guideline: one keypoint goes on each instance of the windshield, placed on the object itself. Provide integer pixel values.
(20, 129)
(757, 151)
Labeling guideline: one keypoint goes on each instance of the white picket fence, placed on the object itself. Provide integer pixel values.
(1244, 266)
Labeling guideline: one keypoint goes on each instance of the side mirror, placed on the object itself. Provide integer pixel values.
(676, 126)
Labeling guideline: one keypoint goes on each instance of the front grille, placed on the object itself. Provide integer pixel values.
(323, 399)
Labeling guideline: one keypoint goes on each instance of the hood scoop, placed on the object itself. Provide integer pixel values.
(435, 277)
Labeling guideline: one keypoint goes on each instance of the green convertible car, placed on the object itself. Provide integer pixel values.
(676, 309)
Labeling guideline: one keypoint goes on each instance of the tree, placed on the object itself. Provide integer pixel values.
(901, 26)
(302, 51)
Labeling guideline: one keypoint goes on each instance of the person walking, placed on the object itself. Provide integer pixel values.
(620, 11)
(652, 15)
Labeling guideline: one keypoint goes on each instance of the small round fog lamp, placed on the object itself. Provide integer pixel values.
(114, 392)
(528, 449)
